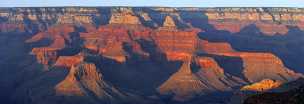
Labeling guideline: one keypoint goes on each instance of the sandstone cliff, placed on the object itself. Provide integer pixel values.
(183, 85)
(197, 78)
(124, 16)
(84, 79)
(270, 20)
(257, 66)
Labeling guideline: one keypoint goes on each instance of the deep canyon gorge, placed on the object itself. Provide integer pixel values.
(151, 55)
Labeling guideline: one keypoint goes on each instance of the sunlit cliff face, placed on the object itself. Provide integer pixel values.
(269, 21)
(124, 55)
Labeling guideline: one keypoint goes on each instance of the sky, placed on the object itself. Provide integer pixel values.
(164, 3)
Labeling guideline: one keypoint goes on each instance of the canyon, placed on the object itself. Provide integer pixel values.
(147, 55)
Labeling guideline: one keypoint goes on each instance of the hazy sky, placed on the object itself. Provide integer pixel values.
(169, 3)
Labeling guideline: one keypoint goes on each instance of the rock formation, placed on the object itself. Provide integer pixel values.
(45, 55)
(215, 47)
(124, 16)
(183, 85)
(85, 80)
(39, 19)
(169, 22)
(176, 40)
(198, 78)
(291, 96)
(215, 76)
(263, 85)
(268, 21)
(59, 35)
(257, 66)
(69, 61)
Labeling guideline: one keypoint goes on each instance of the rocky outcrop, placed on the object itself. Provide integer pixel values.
(69, 86)
(169, 22)
(272, 28)
(256, 66)
(85, 80)
(270, 21)
(262, 65)
(69, 61)
(33, 20)
(58, 35)
(124, 19)
(176, 40)
(45, 55)
(71, 19)
(214, 76)
(283, 15)
(215, 47)
(263, 85)
(58, 15)
(171, 40)
(182, 85)
(202, 76)
(291, 96)
(267, 28)
(124, 16)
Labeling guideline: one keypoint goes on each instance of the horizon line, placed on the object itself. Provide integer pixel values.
(147, 7)
(153, 3)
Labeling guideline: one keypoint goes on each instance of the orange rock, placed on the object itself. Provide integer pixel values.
(69, 61)
(266, 28)
(59, 35)
(85, 78)
(257, 66)
(217, 79)
(45, 55)
(272, 28)
(215, 47)
(269, 23)
(124, 17)
(187, 83)
(183, 84)
(69, 86)
(207, 63)
(178, 56)
(176, 40)
(169, 22)
(172, 40)
(232, 26)
(263, 85)
(55, 33)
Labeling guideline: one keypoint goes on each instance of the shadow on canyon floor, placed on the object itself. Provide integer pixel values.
(250, 39)
(17, 66)
(138, 73)
(231, 65)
